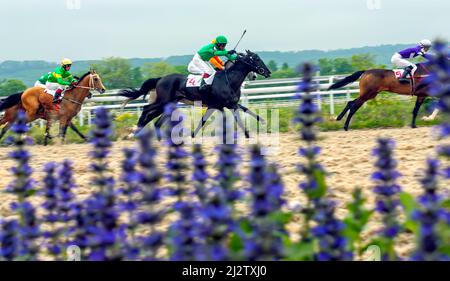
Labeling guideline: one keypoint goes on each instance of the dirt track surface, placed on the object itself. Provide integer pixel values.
(347, 156)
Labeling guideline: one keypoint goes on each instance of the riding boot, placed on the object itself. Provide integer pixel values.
(57, 96)
(406, 73)
(204, 87)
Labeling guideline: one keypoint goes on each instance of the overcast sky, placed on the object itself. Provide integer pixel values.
(51, 29)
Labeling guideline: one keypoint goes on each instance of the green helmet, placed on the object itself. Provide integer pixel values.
(221, 39)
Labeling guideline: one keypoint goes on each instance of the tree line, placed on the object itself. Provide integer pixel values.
(119, 73)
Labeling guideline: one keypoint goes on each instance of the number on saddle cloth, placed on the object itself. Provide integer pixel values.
(196, 80)
(398, 73)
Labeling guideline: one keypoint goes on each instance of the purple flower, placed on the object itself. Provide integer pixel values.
(387, 190)
(332, 244)
(186, 238)
(23, 185)
(9, 242)
(199, 175)
(429, 215)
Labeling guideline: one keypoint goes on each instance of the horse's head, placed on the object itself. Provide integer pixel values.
(255, 62)
(95, 82)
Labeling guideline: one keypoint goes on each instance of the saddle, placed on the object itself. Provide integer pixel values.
(419, 74)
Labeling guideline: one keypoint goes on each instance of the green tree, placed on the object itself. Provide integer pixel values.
(326, 66)
(157, 69)
(181, 69)
(11, 86)
(116, 72)
(342, 65)
(285, 66)
(363, 61)
(272, 65)
(136, 77)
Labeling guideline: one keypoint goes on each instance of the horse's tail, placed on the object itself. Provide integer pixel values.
(11, 101)
(347, 80)
(146, 87)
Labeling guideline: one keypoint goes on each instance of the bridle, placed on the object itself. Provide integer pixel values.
(90, 88)
(258, 69)
(91, 84)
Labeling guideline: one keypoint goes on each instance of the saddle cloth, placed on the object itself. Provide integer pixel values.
(195, 80)
(399, 73)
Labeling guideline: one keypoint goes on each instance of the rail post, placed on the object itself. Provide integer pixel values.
(81, 118)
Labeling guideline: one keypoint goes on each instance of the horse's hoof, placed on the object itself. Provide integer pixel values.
(413, 126)
(346, 129)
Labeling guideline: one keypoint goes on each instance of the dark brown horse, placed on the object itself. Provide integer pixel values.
(38, 104)
(374, 81)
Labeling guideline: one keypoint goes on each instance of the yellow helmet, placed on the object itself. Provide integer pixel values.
(66, 61)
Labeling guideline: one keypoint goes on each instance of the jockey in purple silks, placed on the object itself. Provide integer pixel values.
(400, 59)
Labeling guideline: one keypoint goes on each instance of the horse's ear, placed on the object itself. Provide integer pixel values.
(91, 70)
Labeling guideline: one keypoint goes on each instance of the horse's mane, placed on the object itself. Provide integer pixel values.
(83, 76)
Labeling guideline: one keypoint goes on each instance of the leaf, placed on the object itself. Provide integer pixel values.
(320, 191)
(299, 251)
(281, 217)
(446, 204)
(246, 226)
(236, 243)
(409, 204)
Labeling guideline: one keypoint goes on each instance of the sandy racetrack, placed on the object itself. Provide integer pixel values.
(346, 155)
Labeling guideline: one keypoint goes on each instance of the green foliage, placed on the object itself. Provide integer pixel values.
(11, 86)
(299, 251)
(157, 69)
(115, 73)
(272, 65)
(356, 220)
(363, 62)
(409, 204)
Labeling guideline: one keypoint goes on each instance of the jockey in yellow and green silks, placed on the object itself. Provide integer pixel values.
(56, 81)
(203, 61)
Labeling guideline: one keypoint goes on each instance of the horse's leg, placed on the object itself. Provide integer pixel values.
(47, 135)
(354, 107)
(150, 112)
(251, 113)
(205, 117)
(63, 124)
(432, 116)
(5, 129)
(237, 118)
(158, 124)
(419, 102)
(7, 120)
(75, 129)
(347, 108)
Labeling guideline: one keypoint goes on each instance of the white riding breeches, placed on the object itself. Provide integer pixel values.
(52, 87)
(398, 61)
(199, 66)
(39, 84)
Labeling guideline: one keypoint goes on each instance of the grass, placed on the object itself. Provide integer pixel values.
(383, 112)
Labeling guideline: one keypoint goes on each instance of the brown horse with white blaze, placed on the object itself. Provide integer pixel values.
(38, 104)
(374, 81)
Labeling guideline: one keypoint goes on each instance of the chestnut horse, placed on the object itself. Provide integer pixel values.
(38, 104)
(374, 81)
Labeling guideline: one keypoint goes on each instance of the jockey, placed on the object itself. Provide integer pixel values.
(203, 61)
(59, 79)
(400, 59)
(42, 80)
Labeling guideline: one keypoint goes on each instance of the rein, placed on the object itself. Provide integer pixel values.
(90, 88)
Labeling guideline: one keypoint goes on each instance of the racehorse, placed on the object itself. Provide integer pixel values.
(33, 98)
(225, 92)
(374, 81)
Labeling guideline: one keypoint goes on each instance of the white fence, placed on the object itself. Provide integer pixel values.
(256, 94)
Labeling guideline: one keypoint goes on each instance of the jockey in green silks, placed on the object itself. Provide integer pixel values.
(200, 63)
(56, 81)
